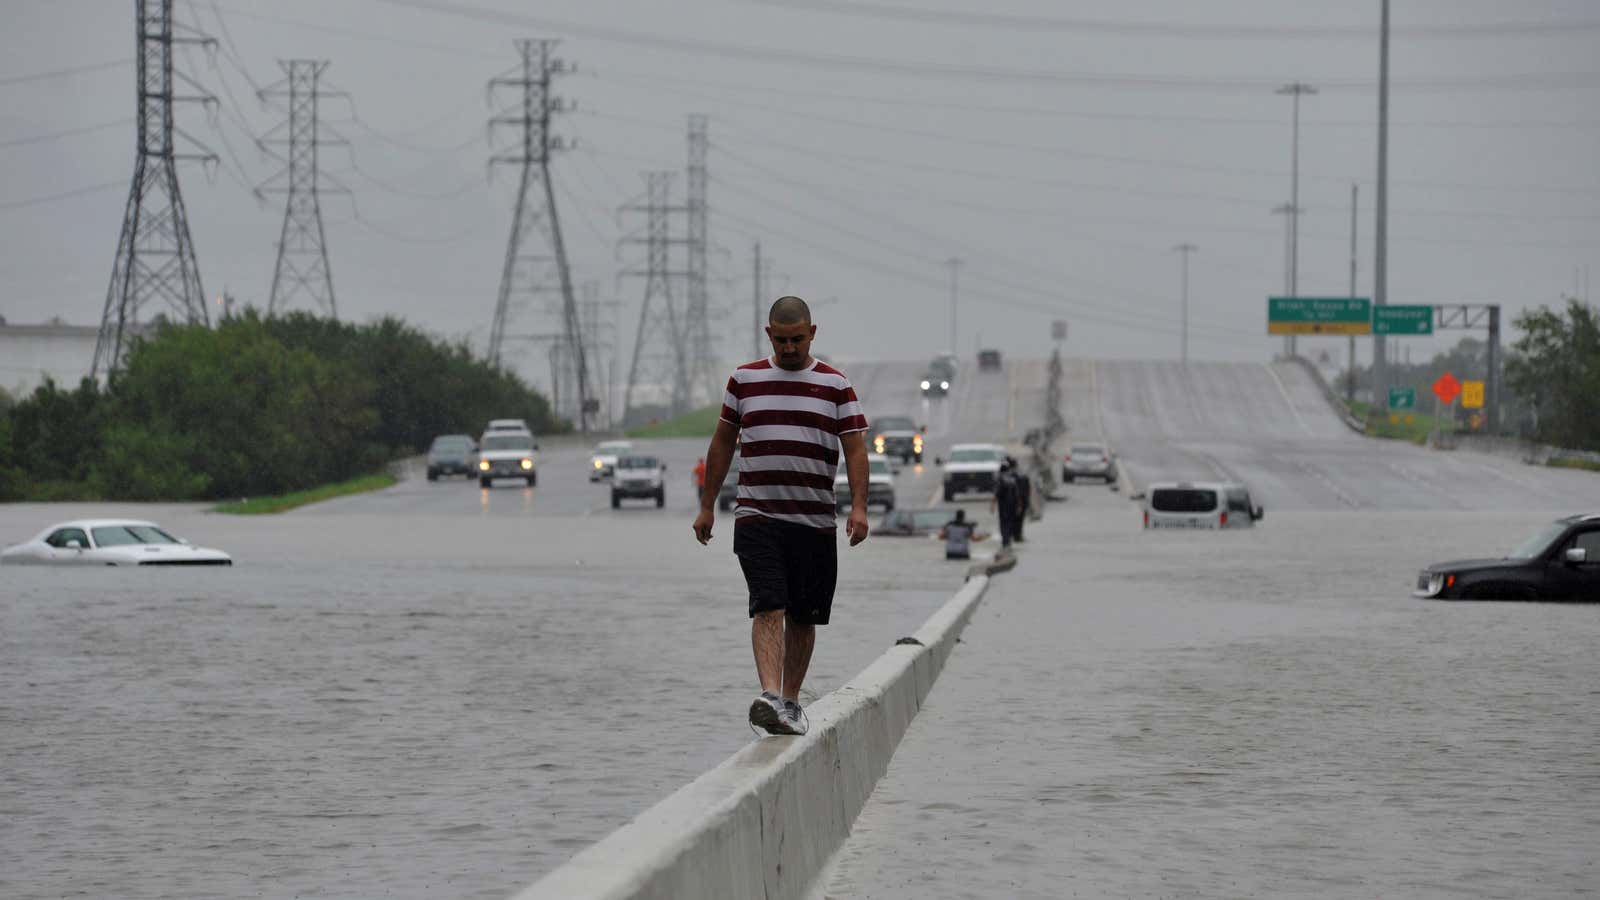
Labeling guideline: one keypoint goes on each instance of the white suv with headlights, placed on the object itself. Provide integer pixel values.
(640, 478)
(972, 467)
(506, 454)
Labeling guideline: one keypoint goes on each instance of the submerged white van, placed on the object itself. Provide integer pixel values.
(1199, 504)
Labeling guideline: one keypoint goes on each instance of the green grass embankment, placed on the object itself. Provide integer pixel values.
(255, 506)
(695, 423)
(1569, 463)
(1407, 426)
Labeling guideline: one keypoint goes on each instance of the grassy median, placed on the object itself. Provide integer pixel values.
(695, 423)
(255, 506)
(1406, 426)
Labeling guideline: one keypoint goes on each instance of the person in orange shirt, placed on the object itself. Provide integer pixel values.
(700, 474)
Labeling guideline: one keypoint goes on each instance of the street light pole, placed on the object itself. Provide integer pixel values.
(1380, 254)
(1184, 250)
(1295, 89)
(955, 269)
(1350, 359)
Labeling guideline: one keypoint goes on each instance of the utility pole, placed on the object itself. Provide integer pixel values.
(155, 255)
(536, 145)
(756, 293)
(1295, 89)
(662, 328)
(704, 372)
(1184, 250)
(955, 272)
(1350, 362)
(1380, 254)
(302, 266)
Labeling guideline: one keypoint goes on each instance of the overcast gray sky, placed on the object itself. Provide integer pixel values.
(1059, 148)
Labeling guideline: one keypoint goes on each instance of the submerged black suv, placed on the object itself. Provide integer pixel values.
(1561, 562)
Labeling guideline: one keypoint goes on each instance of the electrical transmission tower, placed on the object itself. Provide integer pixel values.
(155, 255)
(536, 242)
(704, 371)
(302, 268)
(661, 346)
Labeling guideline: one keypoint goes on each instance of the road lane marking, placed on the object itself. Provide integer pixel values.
(1285, 392)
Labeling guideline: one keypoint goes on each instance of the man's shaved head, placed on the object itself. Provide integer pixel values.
(789, 311)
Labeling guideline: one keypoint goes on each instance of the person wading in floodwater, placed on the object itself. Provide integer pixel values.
(790, 416)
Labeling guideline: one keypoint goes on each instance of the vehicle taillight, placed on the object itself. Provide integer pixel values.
(1223, 522)
(1147, 518)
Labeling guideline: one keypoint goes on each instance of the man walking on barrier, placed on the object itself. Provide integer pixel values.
(790, 416)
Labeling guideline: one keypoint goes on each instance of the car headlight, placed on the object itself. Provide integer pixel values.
(483, 465)
(527, 463)
(944, 385)
(926, 385)
(916, 441)
(1437, 583)
(599, 465)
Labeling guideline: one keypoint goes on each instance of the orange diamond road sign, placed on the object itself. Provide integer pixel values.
(1446, 388)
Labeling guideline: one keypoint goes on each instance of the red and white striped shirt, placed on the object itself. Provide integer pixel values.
(789, 424)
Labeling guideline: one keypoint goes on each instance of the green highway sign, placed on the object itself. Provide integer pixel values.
(1319, 315)
(1402, 319)
(1402, 398)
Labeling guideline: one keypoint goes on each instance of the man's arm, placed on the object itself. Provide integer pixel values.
(854, 446)
(718, 457)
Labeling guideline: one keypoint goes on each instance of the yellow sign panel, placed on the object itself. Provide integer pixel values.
(1472, 395)
(1319, 328)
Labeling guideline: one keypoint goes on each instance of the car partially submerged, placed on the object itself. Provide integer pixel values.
(452, 454)
(1560, 562)
(110, 542)
(1200, 504)
(639, 478)
(507, 454)
(915, 522)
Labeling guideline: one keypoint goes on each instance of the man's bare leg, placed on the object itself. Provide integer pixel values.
(797, 644)
(766, 639)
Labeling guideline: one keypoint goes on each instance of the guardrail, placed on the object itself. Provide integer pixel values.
(1350, 419)
(767, 821)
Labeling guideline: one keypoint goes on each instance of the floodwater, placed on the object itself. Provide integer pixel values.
(1261, 713)
(373, 704)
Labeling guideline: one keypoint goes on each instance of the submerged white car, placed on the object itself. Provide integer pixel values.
(110, 542)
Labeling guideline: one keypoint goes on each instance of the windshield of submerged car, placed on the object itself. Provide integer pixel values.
(891, 423)
(1088, 450)
(118, 535)
(452, 444)
(879, 467)
(981, 454)
(1539, 543)
(638, 462)
(507, 442)
(612, 447)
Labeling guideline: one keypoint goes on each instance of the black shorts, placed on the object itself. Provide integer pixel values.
(788, 566)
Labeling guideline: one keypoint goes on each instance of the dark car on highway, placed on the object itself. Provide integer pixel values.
(1561, 562)
(452, 454)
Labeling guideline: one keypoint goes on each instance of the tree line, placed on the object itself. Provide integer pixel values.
(252, 407)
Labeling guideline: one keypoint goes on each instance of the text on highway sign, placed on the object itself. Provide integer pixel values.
(1402, 319)
(1402, 398)
(1319, 315)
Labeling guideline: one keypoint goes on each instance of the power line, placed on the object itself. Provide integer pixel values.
(1120, 81)
(63, 195)
(659, 82)
(9, 80)
(1196, 30)
(69, 132)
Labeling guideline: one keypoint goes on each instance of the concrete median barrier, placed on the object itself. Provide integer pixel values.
(766, 822)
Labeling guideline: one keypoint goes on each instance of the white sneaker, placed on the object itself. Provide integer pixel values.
(766, 713)
(794, 718)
